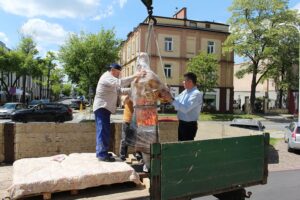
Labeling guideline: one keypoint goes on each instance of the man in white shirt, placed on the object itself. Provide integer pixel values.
(188, 105)
(108, 89)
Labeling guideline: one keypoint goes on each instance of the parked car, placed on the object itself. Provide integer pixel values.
(44, 112)
(251, 124)
(36, 102)
(7, 109)
(292, 136)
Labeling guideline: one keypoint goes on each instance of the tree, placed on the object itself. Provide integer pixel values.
(56, 82)
(205, 66)
(86, 56)
(9, 63)
(66, 90)
(50, 66)
(29, 65)
(284, 58)
(252, 24)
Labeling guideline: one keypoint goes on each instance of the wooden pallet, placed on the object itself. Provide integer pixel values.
(133, 191)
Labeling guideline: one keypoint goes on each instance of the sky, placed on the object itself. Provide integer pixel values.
(50, 22)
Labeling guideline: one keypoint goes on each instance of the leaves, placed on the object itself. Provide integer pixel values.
(85, 57)
(205, 66)
(254, 35)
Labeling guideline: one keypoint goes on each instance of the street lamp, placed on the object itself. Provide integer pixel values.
(298, 29)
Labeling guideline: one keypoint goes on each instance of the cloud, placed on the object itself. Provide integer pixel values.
(108, 12)
(61, 9)
(44, 32)
(297, 7)
(122, 3)
(3, 37)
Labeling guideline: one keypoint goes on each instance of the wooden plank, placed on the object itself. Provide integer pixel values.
(155, 178)
(195, 167)
(46, 196)
(212, 145)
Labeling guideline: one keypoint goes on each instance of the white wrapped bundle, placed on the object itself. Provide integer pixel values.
(147, 90)
(64, 173)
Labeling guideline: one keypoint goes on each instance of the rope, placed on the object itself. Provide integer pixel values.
(148, 48)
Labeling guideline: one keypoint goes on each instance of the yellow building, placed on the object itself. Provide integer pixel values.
(178, 40)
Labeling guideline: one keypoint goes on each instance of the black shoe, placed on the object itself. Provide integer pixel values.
(123, 158)
(107, 159)
(110, 155)
(138, 156)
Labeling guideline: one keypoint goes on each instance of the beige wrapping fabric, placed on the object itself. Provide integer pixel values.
(63, 173)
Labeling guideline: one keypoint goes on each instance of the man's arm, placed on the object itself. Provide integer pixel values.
(193, 101)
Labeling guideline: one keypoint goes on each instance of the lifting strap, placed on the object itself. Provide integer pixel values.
(148, 47)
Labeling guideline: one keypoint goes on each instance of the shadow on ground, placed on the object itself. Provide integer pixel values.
(273, 155)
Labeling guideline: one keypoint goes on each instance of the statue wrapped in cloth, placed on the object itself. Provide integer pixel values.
(146, 92)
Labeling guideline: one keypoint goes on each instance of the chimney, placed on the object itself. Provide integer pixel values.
(181, 14)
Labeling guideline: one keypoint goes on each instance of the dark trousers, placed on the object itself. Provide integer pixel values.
(126, 138)
(187, 130)
(102, 119)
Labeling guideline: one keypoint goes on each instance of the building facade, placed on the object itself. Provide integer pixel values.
(242, 88)
(176, 40)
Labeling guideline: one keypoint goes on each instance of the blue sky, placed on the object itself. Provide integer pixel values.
(50, 21)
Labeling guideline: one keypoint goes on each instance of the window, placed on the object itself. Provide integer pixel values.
(128, 52)
(167, 69)
(193, 24)
(168, 44)
(210, 47)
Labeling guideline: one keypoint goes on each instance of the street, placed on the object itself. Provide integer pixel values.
(283, 185)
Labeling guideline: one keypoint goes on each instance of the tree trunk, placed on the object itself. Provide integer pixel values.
(280, 98)
(253, 89)
(41, 86)
(48, 83)
(24, 89)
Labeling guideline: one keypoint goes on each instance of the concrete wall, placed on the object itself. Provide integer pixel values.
(1, 143)
(48, 139)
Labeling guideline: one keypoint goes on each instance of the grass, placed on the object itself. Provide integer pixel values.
(216, 117)
(225, 117)
(274, 141)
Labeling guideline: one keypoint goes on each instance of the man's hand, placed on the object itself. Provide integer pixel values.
(166, 96)
(140, 74)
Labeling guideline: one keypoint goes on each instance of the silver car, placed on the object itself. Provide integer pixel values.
(7, 109)
(292, 136)
(251, 124)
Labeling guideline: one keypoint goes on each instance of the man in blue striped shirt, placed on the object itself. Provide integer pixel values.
(188, 105)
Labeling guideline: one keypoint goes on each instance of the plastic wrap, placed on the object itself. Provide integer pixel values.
(146, 92)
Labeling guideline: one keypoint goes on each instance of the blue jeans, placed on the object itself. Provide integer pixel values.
(102, 119)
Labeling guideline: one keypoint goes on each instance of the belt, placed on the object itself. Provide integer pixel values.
(185, 122)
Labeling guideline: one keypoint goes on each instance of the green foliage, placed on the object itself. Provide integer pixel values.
(22, 61)
(253, 24)
(29, 65)
(205, 66)
(85, 57)
(284, 57)
(67, 88)
(55, 81)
